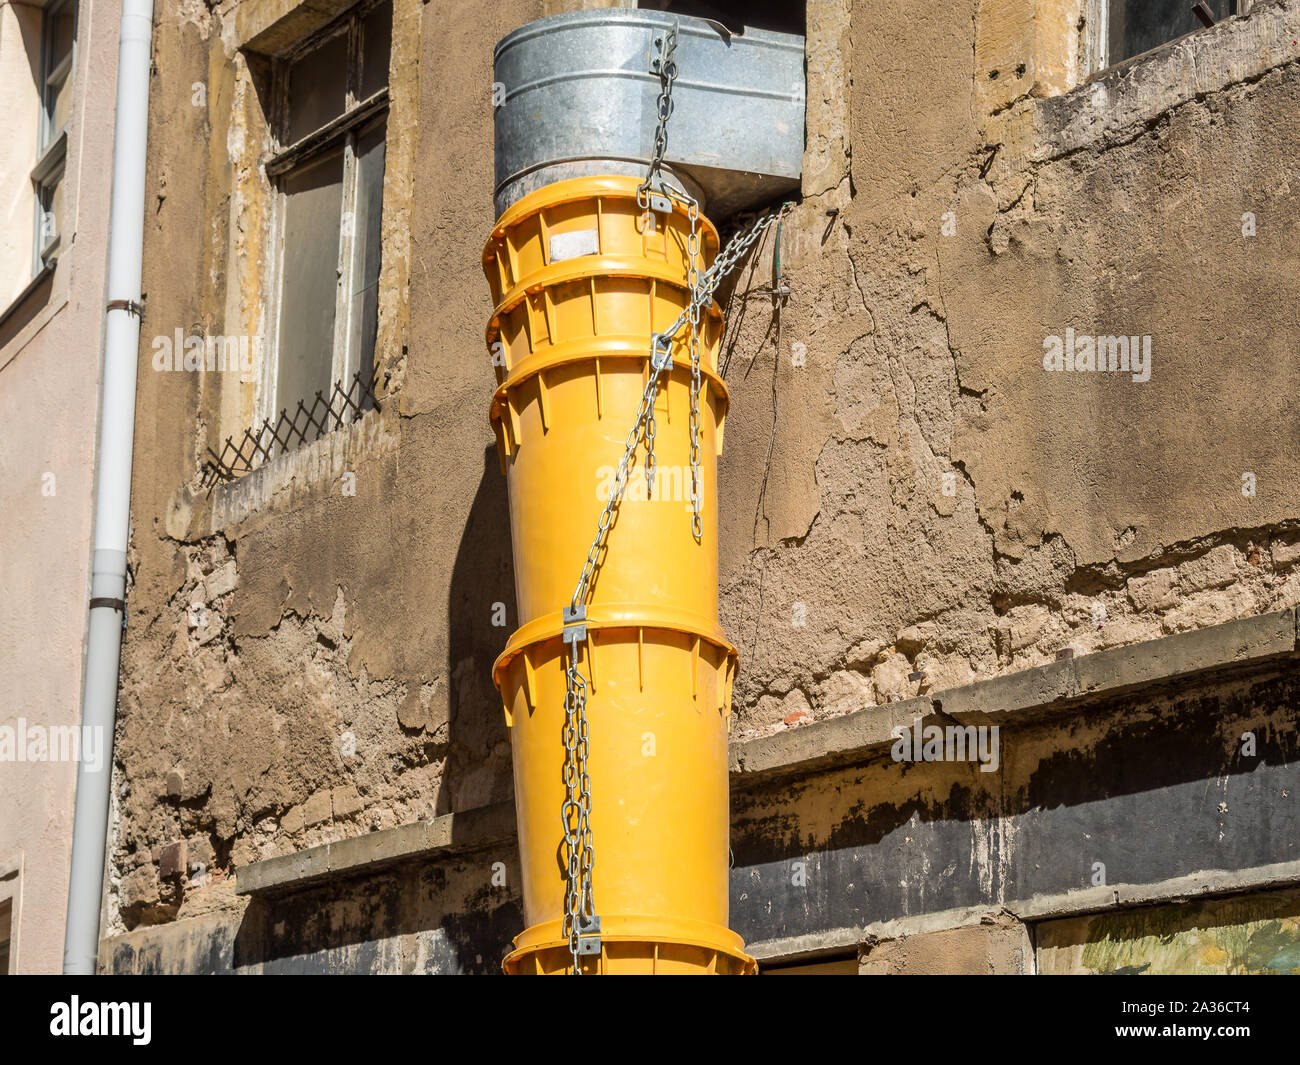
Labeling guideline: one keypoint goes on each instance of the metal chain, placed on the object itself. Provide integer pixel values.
(651, 193)
(696, 310)
(664, 107)
(650, 453)
(702, 289)
(702, 293)
(575, 701)
(581, 925)
(579, 905)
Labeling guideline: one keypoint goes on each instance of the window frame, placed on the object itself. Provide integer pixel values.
(1096, 35)
(50, 168)
(357, 118)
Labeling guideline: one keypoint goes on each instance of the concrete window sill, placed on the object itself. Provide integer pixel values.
(1111, 104)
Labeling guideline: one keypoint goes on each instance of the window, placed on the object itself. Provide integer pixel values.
(329, 177)
(58, 45)
(1130, 27)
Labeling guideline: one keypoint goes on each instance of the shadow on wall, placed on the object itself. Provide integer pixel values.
(480, 617)
(444, 918)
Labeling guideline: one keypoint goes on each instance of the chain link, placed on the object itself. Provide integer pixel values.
(575, 814)
(696, 310)
(650, 452)
(573, 810)
(651, 193)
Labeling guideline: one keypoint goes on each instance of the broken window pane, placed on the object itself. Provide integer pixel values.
(317, 87)
(364, 297)
(312, 212)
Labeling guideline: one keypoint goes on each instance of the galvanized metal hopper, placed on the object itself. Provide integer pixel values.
(576, 97)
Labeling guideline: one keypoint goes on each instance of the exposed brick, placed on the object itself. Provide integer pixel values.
(293, 821)
(1025, 625)
(1214, 569)
(317, 809)
(845, 691)
(346, 802)
(1285, 554)
(890, 678)
(172, 861)
(1154, 591)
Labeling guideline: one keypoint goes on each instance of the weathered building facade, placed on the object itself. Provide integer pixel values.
(942, 501)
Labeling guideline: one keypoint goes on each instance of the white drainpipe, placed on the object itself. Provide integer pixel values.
(113, 483)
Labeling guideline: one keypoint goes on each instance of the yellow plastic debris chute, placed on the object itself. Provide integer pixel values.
(581, 278)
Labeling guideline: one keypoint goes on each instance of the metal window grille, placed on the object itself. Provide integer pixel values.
(305, 425)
